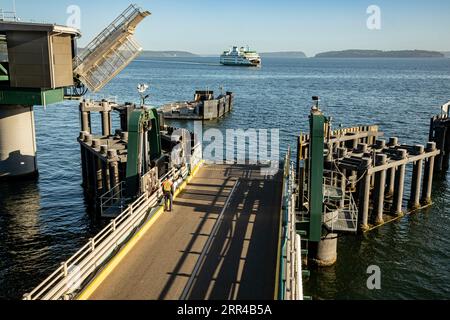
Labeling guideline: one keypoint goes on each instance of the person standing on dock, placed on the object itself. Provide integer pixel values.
(168, 195)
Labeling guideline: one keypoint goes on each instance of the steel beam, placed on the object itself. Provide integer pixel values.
(316, 169)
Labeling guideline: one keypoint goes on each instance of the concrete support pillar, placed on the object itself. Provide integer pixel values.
(414, 202)
(86, 122)
(390, 181)
(17, 141)
(380, 144)
(105, 169)
(106, 119)
(343, 186)
(97, 165)
(113, 168)
(341, 153)
(106, 123)
(446, 156)
(428, 175)
(98, 178)
(364, 195)
(124, 136)
(353, 176)
(393, 142)
(362, 148)
(84, 169)
(397, 206)
(327, 250)
(89, 188)
(380, 188)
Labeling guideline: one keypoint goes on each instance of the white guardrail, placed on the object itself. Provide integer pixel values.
(293, 273)
(71, 277)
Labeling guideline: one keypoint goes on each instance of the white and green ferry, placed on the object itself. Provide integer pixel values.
(240, 57)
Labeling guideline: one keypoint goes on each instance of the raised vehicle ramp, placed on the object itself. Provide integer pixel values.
(219, 242)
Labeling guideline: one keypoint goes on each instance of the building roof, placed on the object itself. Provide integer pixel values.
(6, 26)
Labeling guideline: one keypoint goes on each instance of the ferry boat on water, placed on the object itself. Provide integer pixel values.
(240, 57)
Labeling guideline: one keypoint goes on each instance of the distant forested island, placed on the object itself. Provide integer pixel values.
(160, 54)
(381, 54)
(284, 54)
(167, 54)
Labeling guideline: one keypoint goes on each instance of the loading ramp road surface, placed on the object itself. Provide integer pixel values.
(219, 243)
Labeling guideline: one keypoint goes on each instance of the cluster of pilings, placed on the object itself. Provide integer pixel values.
(373, 170)
(103, 157)
(347, 138)
(352, 180)
(377, 175)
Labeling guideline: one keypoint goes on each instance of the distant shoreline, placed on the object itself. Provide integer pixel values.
(346, 54)
(403, 54)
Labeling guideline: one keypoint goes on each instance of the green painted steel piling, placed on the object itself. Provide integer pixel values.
(316, 170)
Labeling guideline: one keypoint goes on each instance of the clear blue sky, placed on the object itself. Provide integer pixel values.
(210, 26)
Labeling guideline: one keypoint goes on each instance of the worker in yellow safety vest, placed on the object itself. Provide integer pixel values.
(168, 194)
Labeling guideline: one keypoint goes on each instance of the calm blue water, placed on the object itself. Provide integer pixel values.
(42, 223)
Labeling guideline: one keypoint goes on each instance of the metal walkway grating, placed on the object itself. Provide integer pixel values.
(111, 51)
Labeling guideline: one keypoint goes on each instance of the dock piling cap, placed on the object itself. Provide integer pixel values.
(112, 153)
(431, 146)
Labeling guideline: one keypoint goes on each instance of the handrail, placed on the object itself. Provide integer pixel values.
(131, 12)
(291, 276)
(333, 219)
(112, 197)
(69, 278)
(8, 15)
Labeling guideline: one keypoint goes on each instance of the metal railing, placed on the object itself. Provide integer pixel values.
(121, 21)
(341, 212)
(8, 16)
(113, 199)
(344, 219)
(291, 275)
(108, 65)
(197, 155)
(72, 276)
(332, 189)
(110, 52)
